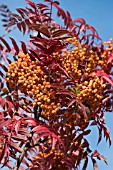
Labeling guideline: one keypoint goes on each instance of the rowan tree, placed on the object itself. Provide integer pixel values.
(52, 90)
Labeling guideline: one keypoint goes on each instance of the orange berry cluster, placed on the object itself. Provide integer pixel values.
(30, 78)
(106, 54)
(91, 92)
(58, 163)
(80, 61)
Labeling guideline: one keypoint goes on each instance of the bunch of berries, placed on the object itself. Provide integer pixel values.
(31, 79)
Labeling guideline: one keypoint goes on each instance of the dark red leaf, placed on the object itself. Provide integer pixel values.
(17, 126)
(85, 164)
(6, 44)
(100, 135)
(95, 166)
(41, 29)
(19, 137)
(19, 26)
(30, 121)
(24, 47)
(32, 4)
(16, 16)
(4, 154)
(110, 58)
(59, 32)
(40, 46)
(98, 156)
(2, 101)
(23, 25)
(104, 75)
(5, 123)
(40, 129)
(15, 45)
(22, 12)
(80, 20)
(3, 67)
(14, 146)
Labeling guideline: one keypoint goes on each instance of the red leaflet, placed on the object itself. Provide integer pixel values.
(17, 126)
(30, 121)
(80, 20)
(60, 32)
(95, 166)
(85, 163)
(54, 80)
(15, 46)
(5, 123)
(4, 154)
(23, 26)
(96, 154)
(40, 129)
(6, 44)
(104, 75)
(14, 146)
(32, 4)
(24, 48)
(110, 58)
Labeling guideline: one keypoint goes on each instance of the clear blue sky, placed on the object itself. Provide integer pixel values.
(100, 15)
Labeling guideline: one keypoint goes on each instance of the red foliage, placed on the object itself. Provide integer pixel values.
(54, 91)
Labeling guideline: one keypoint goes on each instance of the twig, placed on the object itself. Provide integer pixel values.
(27, 146)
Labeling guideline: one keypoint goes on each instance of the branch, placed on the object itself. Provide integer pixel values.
(27, 146)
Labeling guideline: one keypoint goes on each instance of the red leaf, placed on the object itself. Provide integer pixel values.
(32, 4)
(64, 71)
(80, 20)
(58, 3)
(86, 132)
(93, 31)
(3, 67)
(10, 105)
(83, 108)
(2, 101)
(19, 26)
(110, 59)
(30, 121)
(4, 154)
(5, 123)
(6, 103)
(15, 45)
(95, 166)
(22, 12)
(71, 102)
(6, 44)
(103, 158)
(98, 156)
(40, 129)
(1, 115)
(42, 29)
(100, 135)
(24, 47)
(60, 12)
(107, 78)
(69, 19)
(39, 46)
(85, 164)
(54, 143)
(23, 25)
(16, 16)
(95, 154)
(19, 138)
(104, 75)
(17, 126)
(59, 32)
(14, 146)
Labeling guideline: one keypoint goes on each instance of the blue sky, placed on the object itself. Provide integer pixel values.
(99, 14)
